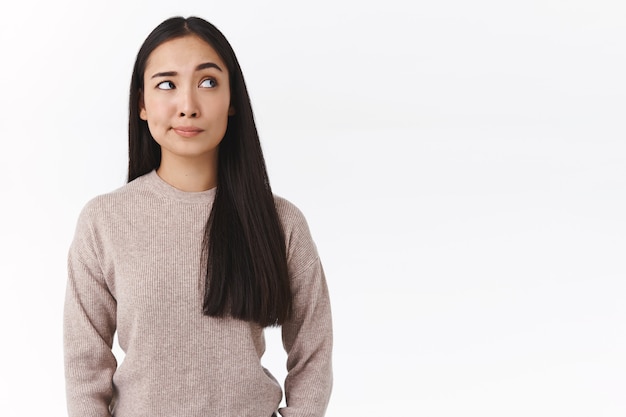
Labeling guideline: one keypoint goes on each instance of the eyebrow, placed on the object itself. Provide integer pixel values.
(198, 68)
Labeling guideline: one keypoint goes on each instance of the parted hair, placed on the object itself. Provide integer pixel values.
(246, 274)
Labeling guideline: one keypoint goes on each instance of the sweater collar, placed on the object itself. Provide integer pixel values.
(169, 191)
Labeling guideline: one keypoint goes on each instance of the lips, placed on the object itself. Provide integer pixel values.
(187, 131)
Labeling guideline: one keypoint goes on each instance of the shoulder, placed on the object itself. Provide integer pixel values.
(301, 249)
(292, 220)
(117, 200)
(289, 214)
(105, 210)
(101, 215)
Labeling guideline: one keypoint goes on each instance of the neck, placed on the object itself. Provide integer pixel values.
(189, 175)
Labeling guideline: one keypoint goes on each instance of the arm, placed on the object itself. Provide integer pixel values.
(307, 338)
(88, 329)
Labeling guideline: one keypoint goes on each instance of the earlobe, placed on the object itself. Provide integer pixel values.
(142, 108)
(231, 111)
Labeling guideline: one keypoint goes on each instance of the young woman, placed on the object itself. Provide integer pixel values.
(191, 259)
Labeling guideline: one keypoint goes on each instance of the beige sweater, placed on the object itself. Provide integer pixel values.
(134, 267)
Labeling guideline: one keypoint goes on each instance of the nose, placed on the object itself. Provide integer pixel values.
(188, 104)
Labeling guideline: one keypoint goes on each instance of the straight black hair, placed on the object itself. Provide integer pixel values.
(246, 274)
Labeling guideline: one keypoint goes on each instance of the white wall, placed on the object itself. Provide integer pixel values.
(462, 166)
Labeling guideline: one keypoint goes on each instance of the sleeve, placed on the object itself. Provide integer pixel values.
(88, 328)
(307, 336)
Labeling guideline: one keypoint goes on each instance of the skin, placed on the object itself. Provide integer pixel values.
(186, 102)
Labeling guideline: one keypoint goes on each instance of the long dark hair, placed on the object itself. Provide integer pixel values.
(246, 256)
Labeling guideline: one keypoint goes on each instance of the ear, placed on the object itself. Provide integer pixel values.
(142, 108)
(231, 111)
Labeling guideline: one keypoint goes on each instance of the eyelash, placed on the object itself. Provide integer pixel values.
(172, 86)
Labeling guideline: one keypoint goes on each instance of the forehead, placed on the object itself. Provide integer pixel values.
(179, 53)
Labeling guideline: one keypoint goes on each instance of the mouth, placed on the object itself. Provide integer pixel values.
(187, 131)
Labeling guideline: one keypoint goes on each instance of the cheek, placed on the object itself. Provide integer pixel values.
(155, 105)
(221, 108)
(155, 118)
(157, 113)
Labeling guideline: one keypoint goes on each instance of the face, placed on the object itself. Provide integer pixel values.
(186, 98)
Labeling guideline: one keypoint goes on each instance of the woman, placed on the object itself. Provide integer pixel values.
(192, 258)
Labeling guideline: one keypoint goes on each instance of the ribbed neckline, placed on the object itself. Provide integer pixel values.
(169, 191)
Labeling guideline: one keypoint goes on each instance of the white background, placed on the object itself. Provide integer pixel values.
(462, 166)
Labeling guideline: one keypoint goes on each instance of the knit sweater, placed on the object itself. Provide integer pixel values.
(135, 267)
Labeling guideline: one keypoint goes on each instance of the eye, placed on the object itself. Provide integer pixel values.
(208, 83)
(165, 85)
